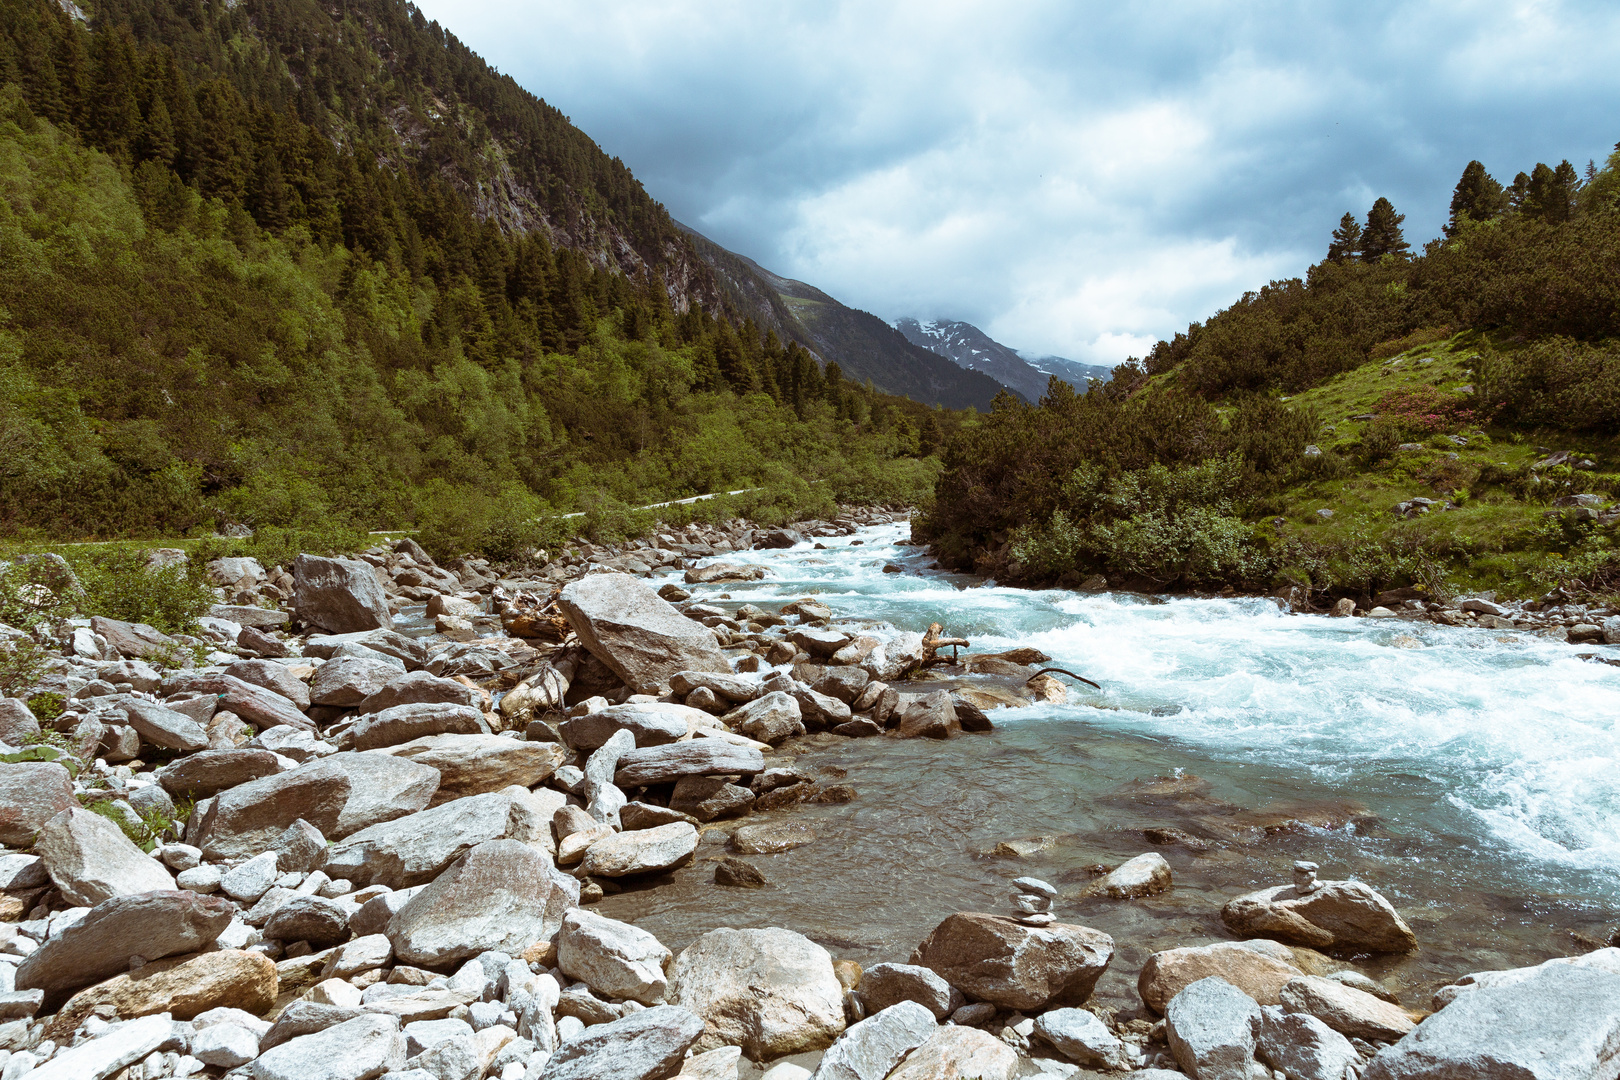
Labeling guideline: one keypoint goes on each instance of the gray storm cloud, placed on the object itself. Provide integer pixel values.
(1074, 178)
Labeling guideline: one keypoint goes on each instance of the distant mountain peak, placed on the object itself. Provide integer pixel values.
(969, 347)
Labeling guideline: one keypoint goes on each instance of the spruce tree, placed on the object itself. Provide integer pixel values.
(1477, 196)
(1346, 239)
(1382, 234)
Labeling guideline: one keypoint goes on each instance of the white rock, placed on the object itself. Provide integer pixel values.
(225, 1046)
(335, 992)
(200, 879)
(357, 1049)
(122, 1046)
(252, 879)
(1210, 1027)
(1082, 1038)
(613, 958)
(872, 1048)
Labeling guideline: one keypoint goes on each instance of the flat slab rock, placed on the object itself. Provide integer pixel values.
(415, 849)
(90, 859)
(699, 757)
(642, 851)
(1000, 960)
(478, 764)
(1259, 968)
(650, 1043)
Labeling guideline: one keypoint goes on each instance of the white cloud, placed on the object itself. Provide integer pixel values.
(1076, 179)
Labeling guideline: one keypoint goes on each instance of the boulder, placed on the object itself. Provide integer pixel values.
(643, 851)
(501, 896)
(1345, 1009)
(321, 922)
(705, 798)
(181, 986)
(1561, 1022)
(416, 848)
(253, 704)
(819, 643)
(736, 874)
(357, 1049)
(248, 818)
(151, 925)
(954, 1052)
(772, 718)
(613, 958)
(1000, 960)
(770, 991)
(136, 640)
(1085, 1040)
(477, 764)
(31, 794)
(819, 710)
(1337, 915)
(1211, 1029)
(646, 765)
(340, 596)
(1145, 875)
(382, 787)
(408, 651)
(870, 1050)
(649, 723)
(883, 985)
(737, 689)
(1259, 968)
(1603, 959)
(17, 722)
(274, 677)
(225, 1045)
(300, 848)
(209, 772)
(163, 727)
(121, 1046)
(931, 716)
(1302, 1046)
(421, 688)
(891, 660)
(90, 859)
(846, 683)
(646, 1045)
(640, 637)
(346, 681)
(724, 571)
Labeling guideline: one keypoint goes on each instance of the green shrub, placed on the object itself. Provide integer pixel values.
(118, 585)
(276, 545)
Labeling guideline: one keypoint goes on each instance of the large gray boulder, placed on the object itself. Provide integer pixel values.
(639, 636)
(952, 1052)
(642, 851)
(1211, 1028)
(381, 788)
(772, 718)
(407, 650)
(883, 985)
(209, 772)
(416, 848)
(120, 1046)
(272, 676)
(90, 859)
(358, 1049)
(1000, 960)
(163, 727)
(1560, 1023)
(402, 723)
(650, 723)
(420, 687)
(734, 688)
(150, 925)
(647, 765)
(256, 705)
(501, 896)
(647, 1045)
(1082, 1038)
(17, 722)
(346, 681)
(1302, 1046)
(1259, 968)
(1345, 1009)
(247, 819)
(772, 991)
(476, 764)
(613, 958)
(872, 1048)
(321, 922)
(1334, 915)
(341, 596)
(32, 793)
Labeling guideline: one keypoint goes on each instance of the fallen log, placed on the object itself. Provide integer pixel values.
(1060, 671)
(934, 640)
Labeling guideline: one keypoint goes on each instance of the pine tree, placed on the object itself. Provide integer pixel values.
(1518, 193)
(1477, 196)
(1382, 234)
(1346, 239)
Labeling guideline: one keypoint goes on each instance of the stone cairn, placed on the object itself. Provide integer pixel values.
(1033, 899)
(1305, 881)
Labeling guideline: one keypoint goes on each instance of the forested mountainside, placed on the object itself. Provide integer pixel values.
(1445, 419)
(286, 265)
(864, 346)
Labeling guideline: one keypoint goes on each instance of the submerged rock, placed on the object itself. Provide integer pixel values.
(1145, 875)
(1340, 915)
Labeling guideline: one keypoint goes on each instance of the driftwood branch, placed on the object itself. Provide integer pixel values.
(934, 640)
(1060, 671)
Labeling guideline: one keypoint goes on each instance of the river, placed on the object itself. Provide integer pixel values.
(1471, 776)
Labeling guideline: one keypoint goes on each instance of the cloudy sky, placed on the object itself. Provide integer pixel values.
(1074, 178)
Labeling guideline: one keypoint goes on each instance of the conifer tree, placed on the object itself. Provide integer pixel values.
(1346, 239)
(1382, 234)
(1477, 196)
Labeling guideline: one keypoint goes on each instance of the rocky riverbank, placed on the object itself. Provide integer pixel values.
(374, 851)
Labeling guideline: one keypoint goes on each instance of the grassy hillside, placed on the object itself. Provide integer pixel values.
(1455, 413)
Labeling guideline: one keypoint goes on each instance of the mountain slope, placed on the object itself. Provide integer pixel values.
(861, 344)
(975, 350)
